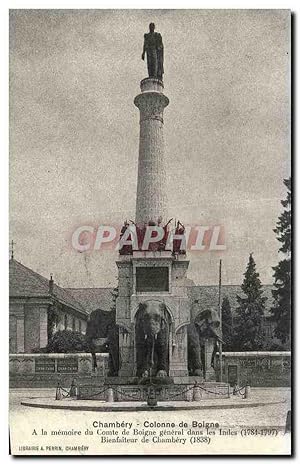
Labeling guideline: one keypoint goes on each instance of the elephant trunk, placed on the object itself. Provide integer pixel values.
(153, 329)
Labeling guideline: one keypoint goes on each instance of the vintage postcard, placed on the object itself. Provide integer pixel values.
(150, 232)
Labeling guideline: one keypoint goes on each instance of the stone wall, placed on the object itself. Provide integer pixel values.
(258, 368)
(31, 328)
(28, 324)
(46, 370)
(12, 334)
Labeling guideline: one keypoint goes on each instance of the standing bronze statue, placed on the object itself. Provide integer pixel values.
(154, 48)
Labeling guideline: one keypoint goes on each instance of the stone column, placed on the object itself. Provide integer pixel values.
(123, 319)
(151, 202)
(83, 327)
(31, 327)
(43, 326)
(126, 352)
(210, 374)
(69, 322)
(179, 355)
(12, 334)
(20, 333)
(17, 327)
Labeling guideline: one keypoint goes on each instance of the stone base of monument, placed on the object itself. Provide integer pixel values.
(130, 380)
(188, 389)
(210, 375)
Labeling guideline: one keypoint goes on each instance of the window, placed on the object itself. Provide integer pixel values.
(66, 322)
(152, 279)
(80, 325)
(73, 324)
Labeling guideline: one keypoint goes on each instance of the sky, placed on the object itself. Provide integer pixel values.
(74, 132)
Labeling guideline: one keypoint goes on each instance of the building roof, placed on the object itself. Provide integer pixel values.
(24, 282)
(93, 298)
(207, 296)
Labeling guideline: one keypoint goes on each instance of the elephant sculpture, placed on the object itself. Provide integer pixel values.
(152, 332)
(206, 326)
(208, 323)
(195, 352)
(103, 337)
(152, 339)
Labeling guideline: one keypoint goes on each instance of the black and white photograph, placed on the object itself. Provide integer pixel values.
(150, 237)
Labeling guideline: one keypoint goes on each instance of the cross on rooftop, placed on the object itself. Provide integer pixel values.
(12, 249)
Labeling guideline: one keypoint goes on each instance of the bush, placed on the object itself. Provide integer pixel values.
(66, 341)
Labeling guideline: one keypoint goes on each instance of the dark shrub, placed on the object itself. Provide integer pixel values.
(39, 350)
(102, 324)
(66, 341)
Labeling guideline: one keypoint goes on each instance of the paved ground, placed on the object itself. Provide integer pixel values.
(273, 414)
(24, 419)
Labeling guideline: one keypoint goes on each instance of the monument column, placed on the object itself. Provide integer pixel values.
(151, 201)
(154, 277)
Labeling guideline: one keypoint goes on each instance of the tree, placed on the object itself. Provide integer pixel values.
(250, 311)
(281, 310)
(227, 328)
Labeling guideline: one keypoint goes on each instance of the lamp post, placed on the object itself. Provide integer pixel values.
(220, 315)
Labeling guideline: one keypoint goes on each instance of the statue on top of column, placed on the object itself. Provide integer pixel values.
(154, 48)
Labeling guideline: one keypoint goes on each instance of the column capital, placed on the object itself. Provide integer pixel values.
(151, 102)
